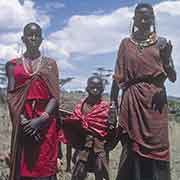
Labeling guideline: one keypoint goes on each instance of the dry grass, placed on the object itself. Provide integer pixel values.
(5, 129)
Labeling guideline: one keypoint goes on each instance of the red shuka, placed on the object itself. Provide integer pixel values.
(37, 160)
(94, 122)
(146, 126)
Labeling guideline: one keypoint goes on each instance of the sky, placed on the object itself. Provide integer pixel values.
(82, 35)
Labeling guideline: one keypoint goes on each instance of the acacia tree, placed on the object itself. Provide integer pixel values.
(64, 81)
(104, 74)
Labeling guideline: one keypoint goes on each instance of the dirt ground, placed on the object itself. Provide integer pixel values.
(5, 130)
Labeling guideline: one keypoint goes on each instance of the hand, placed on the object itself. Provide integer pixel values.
(165, 52)
(113, 139)
(61, 121)
(33, 126)
(25, 123)
(23, 120)
(158, 101)
(59, 165)
(112, 116)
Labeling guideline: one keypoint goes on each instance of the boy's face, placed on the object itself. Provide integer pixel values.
(95, 87)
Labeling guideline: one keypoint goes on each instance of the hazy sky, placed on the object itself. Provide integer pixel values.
(83, 35)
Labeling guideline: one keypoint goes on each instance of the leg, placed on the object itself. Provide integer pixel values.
(68, 157)
(53, 177)
(79, 171)
(100, 171)
(60, 153)
(125, 164)
(161, 170)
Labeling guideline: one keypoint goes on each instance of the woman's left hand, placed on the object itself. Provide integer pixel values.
(165, 52)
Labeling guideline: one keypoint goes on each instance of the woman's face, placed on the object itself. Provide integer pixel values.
(32, 37)
(143, 18)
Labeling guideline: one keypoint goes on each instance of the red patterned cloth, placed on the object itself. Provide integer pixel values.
(95, 121)
(80, 123)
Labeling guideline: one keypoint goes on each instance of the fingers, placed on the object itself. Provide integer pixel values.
(37, 137)
(23, 120)
(28, 130)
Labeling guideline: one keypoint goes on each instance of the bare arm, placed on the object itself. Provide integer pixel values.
(165, 54)
(10, 76)
(170, 70)
(52, 104)
(30, 127)
(114, 92)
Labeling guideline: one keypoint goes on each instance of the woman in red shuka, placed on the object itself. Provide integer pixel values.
(33, 96)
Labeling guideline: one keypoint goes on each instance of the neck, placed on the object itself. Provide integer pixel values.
(142, 34)
(32, 54)
(92, 100)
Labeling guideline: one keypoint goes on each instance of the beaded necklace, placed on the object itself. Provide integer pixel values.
(36, 62)
(152, 39)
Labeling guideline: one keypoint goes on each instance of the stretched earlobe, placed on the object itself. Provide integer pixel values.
(22, 38)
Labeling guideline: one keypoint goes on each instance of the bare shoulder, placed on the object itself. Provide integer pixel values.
(10, 65)
(50, 60)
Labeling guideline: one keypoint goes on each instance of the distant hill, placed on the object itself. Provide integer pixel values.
(173, 98)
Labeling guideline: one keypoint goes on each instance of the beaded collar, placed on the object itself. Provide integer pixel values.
(152, 39)
(37, 64)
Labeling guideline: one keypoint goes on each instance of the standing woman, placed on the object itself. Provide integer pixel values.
(33, 97)
(143, 64)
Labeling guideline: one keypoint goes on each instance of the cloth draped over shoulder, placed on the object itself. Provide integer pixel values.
(143, 109)
(16, 99)
(87, 132)
(94, 122)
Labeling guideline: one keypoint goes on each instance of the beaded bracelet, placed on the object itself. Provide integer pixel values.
(45, 115)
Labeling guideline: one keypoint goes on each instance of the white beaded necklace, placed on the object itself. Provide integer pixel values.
(24, 60)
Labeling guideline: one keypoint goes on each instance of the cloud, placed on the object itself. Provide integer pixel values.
(54, 5)
(96, 34)
(83, 35)
(167, 14)
(59, 54)
(93, 34)
(13, 17)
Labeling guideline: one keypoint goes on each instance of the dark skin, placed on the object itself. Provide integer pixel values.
(32, 38)
(143, 20)
(95, 89)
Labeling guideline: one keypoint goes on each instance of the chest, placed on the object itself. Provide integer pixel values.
(86, 108)
(147, 56)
